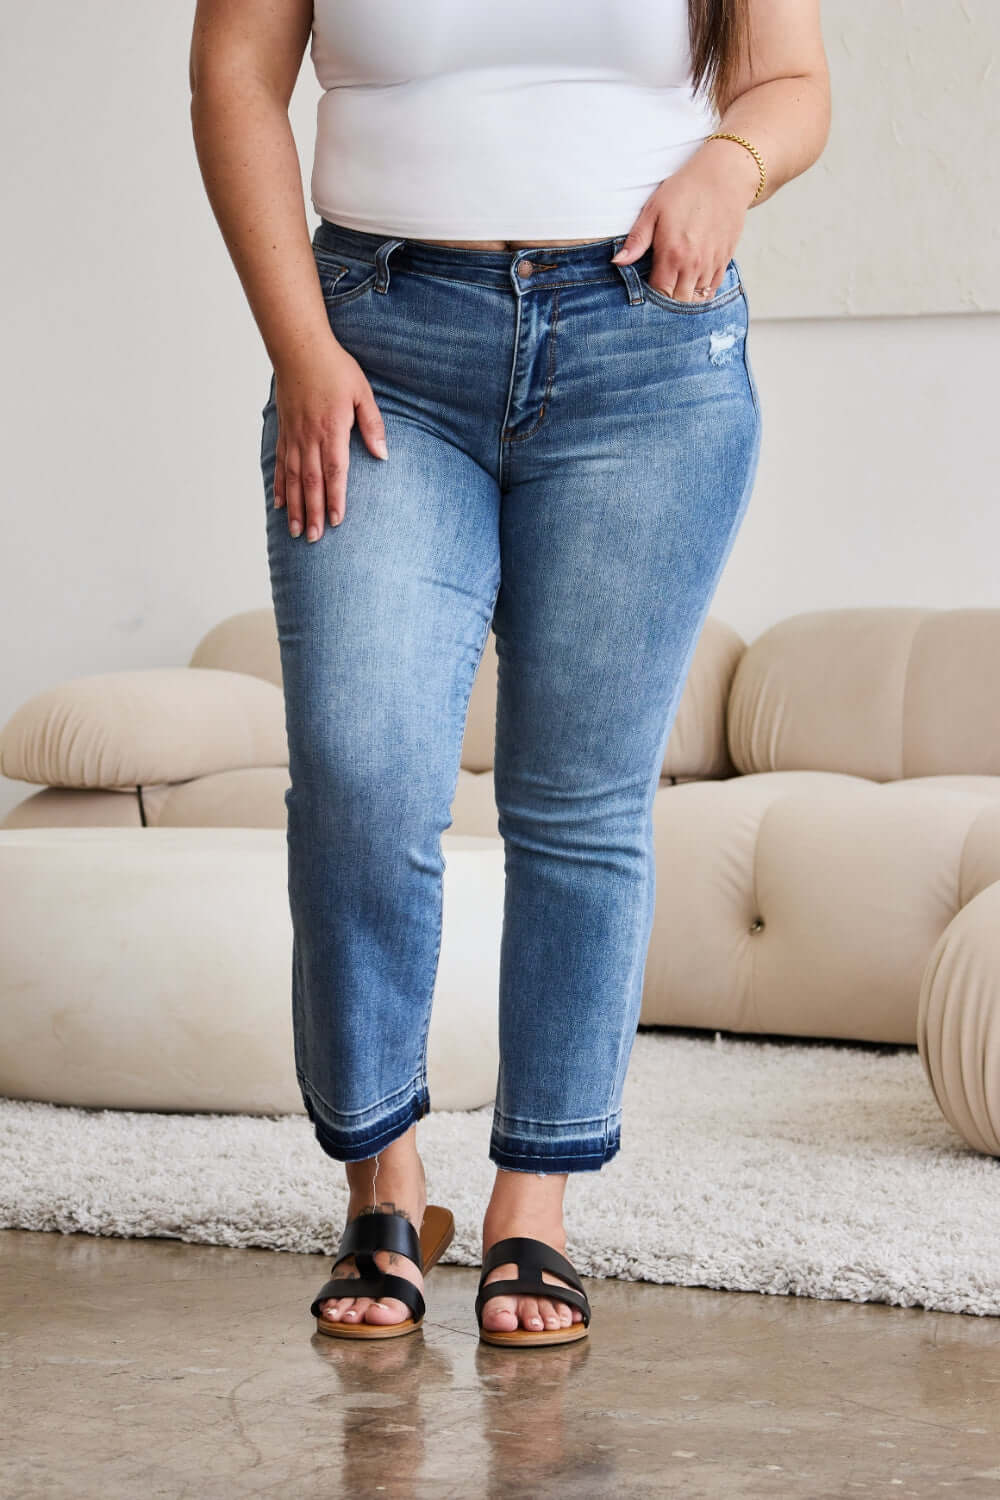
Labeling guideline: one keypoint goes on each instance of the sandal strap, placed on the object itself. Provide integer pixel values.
(384, 1284)
(346, 1286)
(405, 1291)
(525, 1287)
(361, 1238)
(380, 1231)
(531, 1258)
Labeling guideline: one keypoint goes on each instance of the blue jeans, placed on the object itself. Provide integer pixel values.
(570, 457)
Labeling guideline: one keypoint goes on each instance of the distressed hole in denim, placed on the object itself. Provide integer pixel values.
(722, 344)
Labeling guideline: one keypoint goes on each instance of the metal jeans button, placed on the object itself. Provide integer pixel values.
(525, 268)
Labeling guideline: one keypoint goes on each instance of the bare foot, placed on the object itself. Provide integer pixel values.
(402, 1190)
(528, 1205)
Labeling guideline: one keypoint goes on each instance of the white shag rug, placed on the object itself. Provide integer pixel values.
(799, 1169)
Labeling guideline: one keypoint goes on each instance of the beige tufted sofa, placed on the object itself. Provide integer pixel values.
(827, 825)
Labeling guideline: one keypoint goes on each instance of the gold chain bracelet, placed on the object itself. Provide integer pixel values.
(727, 135)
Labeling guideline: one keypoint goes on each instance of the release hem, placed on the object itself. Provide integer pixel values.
(574, 1156)
(361, 1145)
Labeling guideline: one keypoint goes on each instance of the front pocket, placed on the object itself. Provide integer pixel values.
(342, 280)
(729, 287)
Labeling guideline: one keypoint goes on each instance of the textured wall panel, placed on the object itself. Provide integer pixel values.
(900, 214)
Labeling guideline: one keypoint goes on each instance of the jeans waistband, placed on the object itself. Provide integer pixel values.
(538, 266)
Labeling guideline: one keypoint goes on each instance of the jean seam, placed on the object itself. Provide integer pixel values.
(599, 1121)
(339, 299)
(670, 305)
(556, 1161)
(746, 363)
(408, 1089)
(372, 1142)
(507, 291)
(460, 733)
(550, 371)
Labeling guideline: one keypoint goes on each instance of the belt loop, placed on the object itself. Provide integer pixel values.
(382, 263)
(629, 274)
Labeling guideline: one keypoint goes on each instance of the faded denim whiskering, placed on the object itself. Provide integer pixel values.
(571, 454)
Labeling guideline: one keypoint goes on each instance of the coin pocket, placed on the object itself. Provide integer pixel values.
(342, 280)
(729, 287)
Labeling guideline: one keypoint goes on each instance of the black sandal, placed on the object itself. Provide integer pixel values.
(531, 1257)
(384, 1231)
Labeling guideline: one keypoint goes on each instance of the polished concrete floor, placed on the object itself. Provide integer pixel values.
(151, 1368)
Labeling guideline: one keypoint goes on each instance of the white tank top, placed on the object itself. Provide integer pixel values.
(466, 119)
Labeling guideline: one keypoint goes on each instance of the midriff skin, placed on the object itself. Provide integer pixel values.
(508, 244)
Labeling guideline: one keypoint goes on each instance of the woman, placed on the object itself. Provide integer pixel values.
(510, 370)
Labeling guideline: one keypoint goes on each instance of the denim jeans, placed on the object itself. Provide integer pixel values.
(571, 454)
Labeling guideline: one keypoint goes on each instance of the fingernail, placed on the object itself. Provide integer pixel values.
(295, 527)
(312, 534)
(380, 448)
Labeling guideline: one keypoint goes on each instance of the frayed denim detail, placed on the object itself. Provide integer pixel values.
(353, 1145)
(723, 344)
(574, 1156)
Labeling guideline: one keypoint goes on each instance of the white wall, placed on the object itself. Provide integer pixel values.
(133, 374)
(899, 214)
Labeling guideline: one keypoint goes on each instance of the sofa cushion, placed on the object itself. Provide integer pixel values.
(250, 797)
(247, 642)
(883, 693)
(77, 807)
(958, 1024)
(150, 968)
(153, 724)
(806, 903)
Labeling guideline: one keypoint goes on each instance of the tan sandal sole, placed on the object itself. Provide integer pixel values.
(437, 1230)
(525, 1336)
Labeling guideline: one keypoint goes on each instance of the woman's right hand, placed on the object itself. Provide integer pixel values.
(317, 397)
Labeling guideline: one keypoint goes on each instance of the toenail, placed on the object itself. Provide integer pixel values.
(535, 1322)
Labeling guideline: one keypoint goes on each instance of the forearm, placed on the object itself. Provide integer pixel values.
(250, 167)
(787, 119)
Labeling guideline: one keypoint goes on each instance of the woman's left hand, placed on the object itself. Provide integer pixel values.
(693, 221)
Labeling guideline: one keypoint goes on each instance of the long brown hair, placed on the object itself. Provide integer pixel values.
(720, 31)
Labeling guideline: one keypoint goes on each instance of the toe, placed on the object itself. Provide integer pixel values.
(500, 1314)
(529, 1314)
(388, 1310)
(547, 1313)
(335, 1308)
(505, 1314)
(567, 1312)
(357, 1309)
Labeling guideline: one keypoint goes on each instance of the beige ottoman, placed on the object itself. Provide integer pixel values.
(150, 968)
(958, 1022)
